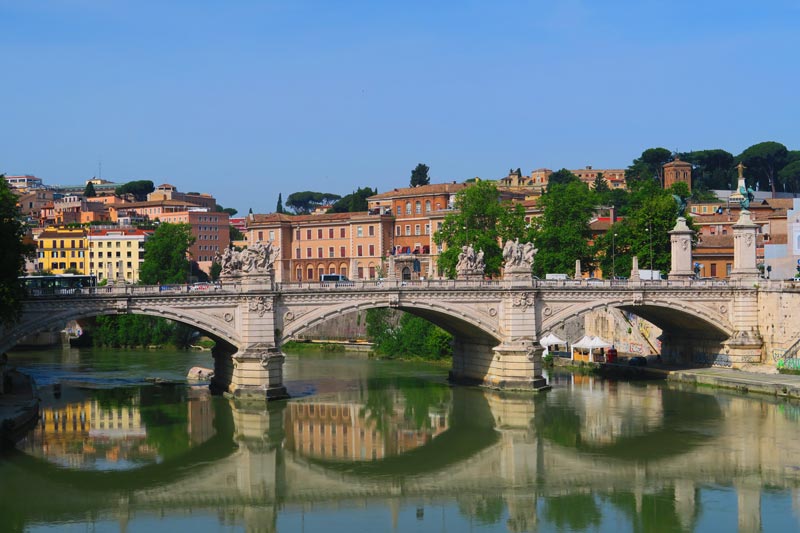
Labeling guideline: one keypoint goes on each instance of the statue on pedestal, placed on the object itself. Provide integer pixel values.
(256, 259)
(469, 262)
(518, 256)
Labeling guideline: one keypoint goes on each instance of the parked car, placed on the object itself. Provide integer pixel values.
(637, 360)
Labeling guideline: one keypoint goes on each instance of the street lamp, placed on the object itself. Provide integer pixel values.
(650, 234)
(613, 255)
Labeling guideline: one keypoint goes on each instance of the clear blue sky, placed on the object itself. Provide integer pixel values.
(246, 99)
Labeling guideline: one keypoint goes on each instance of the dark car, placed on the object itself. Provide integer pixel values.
(637, 361)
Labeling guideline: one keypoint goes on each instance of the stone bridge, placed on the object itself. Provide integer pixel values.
(495, 324)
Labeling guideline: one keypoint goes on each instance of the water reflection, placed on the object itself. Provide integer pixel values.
(396, 450)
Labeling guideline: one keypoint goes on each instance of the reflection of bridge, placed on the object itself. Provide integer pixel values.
(495, 323)
(497, 444)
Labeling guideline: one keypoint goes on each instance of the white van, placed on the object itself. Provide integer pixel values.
(337, 279)
(560, 277)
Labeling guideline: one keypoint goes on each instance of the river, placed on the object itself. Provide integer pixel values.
(369, 445)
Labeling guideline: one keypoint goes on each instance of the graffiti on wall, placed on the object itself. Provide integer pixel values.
(713, 359)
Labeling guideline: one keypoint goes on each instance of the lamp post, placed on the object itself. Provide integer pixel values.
(613, 255)
(650, 234)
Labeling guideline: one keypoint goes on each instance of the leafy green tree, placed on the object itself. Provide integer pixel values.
(648, 166)
(12, 260)
(165, 255)
(763, 162)
(230, 210)
(480, 220)
(235, 233)
(711, 169)
(139, 189)
(279, 207)
(562, 233)
(306, 201)
(353, 202)
(89, 191)
(419, 176)
(789, 177)
(600, 185)
(561, 177)
(215, 270)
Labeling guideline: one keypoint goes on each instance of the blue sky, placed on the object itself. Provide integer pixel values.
(246, 99)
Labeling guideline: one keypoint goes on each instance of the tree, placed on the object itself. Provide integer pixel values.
(789, 177)
(306, 201)
(353, 202)
(279, 207)
(139, 189)
(763, 161)
(89, 191)
(562, 233)
(419, 176)
(165, 255)
(647, 166)
(215, 271)
(479, 220)
(600, 185)
(230, 210)
(711, 169)
(235, 233)
(12, 260)
(561, 177)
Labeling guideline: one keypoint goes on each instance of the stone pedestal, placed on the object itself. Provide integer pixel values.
(519, 276)
(744, 249)
(681, 239)
(517, 366)
(635, 269)
(258, 374)
(470, 275)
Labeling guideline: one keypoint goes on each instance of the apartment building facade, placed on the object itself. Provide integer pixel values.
(210, 229)
(61, 249)
(350, 244)
(116, 253)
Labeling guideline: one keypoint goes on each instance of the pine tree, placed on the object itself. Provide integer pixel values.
(279, 208)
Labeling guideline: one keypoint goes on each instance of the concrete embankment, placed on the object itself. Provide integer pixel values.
(19, 407)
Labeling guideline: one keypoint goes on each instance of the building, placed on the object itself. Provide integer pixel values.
(418, 213)
(614, 177)
(783, 258)
(24, 183)
(116, 253)
(210, 229)
(60, 249)
(677, 171)
(166, 191)
(350, 244)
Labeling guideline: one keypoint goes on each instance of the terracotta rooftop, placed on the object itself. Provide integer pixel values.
(433, 188)
(272, 218)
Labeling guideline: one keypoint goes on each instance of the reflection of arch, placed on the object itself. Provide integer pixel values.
(689, 419)
(471, 431)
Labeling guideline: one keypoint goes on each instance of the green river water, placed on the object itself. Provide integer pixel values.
(369, 445)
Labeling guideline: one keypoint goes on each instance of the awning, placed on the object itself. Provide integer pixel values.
(551, 340)
(590, 342)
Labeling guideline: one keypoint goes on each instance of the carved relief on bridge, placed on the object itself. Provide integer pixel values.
(260, 305)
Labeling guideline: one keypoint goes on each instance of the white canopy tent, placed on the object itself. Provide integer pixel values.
(551, 340)
(590, 343)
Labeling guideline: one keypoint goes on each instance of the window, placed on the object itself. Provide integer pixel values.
(342, 251)
(371, 249)
(408, 208)
(310, 273)
(372, 231)
(308, 252)
(297, 253)
(359, 251)
(416, 229)
(359, 231)
(427, 206)
(372, 272)
(427, 229)
(271, 235)
(399, 231)
(330, 233)
(297, 235)
(399, 212)
(308, 234)
(728, 267)
(319, 251)
(418, 207)
(260, 235)
(319, 233)
(330, 251)
(342, 233)
(713, 270)
(408, 230)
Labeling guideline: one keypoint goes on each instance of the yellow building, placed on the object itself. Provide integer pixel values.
(60, 249)
(116, 253)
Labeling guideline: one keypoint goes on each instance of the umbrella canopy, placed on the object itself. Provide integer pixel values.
(550, 340)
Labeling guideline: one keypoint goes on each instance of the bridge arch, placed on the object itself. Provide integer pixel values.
(40, 321)
(666, 314)
(464, 322)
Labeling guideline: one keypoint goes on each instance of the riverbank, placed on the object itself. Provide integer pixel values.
(781, 385)
(19, 407)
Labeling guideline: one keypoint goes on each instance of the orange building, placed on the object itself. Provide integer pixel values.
(210, 229)
(350, 244)
(418, 213)
(677, 171)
